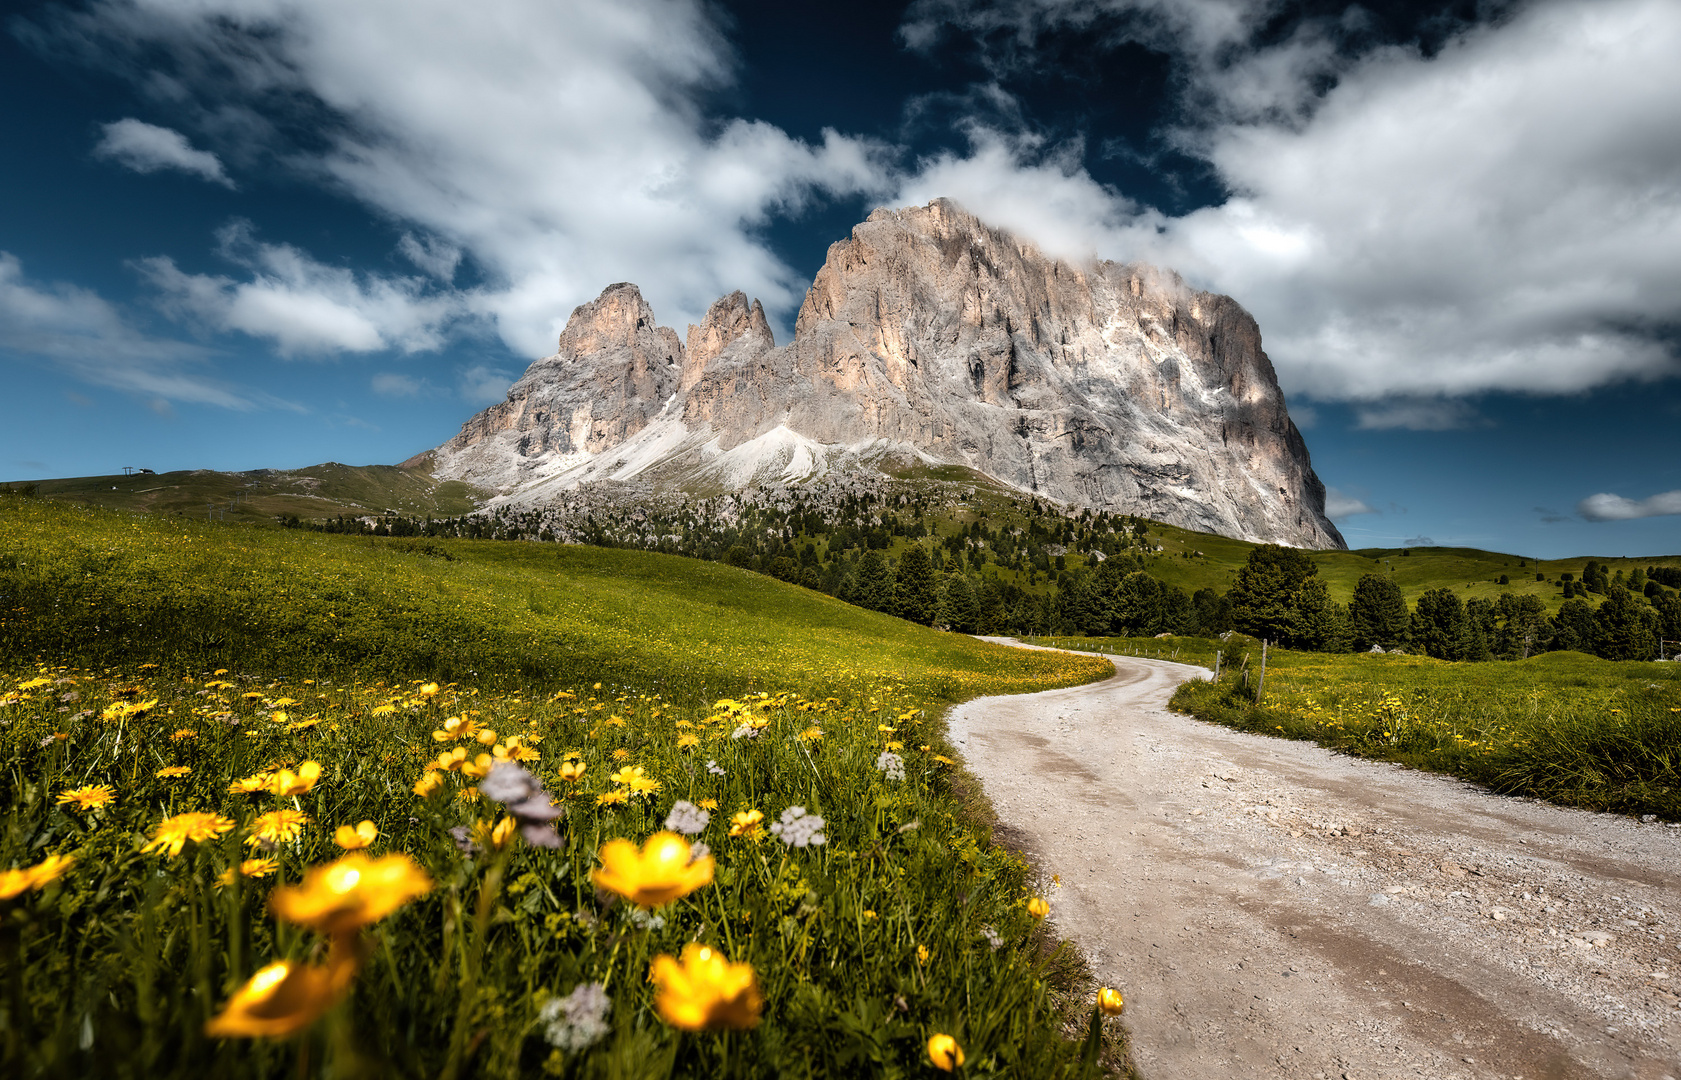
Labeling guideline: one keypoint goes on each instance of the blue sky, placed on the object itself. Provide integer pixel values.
(266, 233)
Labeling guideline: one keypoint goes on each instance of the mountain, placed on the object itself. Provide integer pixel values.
(927, 337)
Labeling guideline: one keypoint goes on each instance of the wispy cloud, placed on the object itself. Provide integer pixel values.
(80, 332)
(1606, 507)
(1339, 505)
(147, 148)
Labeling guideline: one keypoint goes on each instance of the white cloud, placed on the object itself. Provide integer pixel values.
(82, 333)
(303, 306)
(391, 384)
(147, 148)
(560, 144)
(1502, 215)
(1339, 505)
(481, 385)
(1416, 414)
(1616, 508)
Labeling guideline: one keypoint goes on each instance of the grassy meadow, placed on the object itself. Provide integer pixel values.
(1563, 726)
(195, 717)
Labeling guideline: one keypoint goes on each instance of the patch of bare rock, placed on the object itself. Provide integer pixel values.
(1272, 909)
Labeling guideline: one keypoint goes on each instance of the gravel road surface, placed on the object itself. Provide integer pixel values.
(1271, 909)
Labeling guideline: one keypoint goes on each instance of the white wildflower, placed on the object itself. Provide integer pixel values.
(646, 920)
(687, 818)
(745, 731)
(579, 1020)
(992, 938)
(714, 768)
(891, 764)
(799, 829)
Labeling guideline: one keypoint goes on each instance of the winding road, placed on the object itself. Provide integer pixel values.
(1272, 909)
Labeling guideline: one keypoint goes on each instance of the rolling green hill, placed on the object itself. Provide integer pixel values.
(321, 491)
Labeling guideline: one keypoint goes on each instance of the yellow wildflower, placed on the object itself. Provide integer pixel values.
(277, 827)
(662, 871)
(283, 998)
(251, 784)
(287, 782)
(350, 892)
(612, 798)
(1109, 1001)
(708, 804)
(383, 710)
(174, 770)
(185, 733)
(428, 690)
(428, 783)
(354, 837)
(16, 882)
(173, 833)
(704, 990)
(747, 824)
(572, 771)
(812, 733)
(251, 868)
(91, 797)
(922, 955)
(944, 1053)
(1037, 908)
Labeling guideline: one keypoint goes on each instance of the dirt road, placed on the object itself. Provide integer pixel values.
(1271, 909)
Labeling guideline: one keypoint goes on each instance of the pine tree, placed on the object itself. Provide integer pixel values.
(1627, 626)
(915, 593)
(1438, 625)
(1377, 615)
(1265, 595)
(873, 587)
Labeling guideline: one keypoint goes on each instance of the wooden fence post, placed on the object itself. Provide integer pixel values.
(1261, 682)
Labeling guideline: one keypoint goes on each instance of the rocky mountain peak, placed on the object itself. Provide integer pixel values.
(730, 321)
(927, 334)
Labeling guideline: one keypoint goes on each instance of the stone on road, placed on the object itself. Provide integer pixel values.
(1272, 909)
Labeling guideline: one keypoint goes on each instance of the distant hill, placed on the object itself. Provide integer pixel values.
(320, 491)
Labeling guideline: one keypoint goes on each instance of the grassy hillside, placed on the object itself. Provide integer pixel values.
(153, 667)
(321, 491)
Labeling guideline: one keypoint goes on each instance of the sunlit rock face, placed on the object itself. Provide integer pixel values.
(926, 335)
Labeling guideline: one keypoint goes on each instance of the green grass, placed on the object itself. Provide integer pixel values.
(1183, 650)
(259, 648)
(1564, 727)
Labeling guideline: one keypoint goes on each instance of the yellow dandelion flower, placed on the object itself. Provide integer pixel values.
(428, 783)
(350, 892)
(1109, 1001)
(284, 998)
(620, 754)
(663, 869)
(704, 990)
(91, 797)
(251, 785)
(174, 833)
(277, 827)
(612, 798)
(251, 868)
(287, 782)
(428, 690)
(747, 824)
(185, 733)
(174, 770)
(383, 710)
(355, 837)
(687, 740)
(944, 1053)
(812, 733)
(16, 882)
(708, 804)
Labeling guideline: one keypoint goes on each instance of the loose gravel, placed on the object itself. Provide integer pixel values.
(1272, 909)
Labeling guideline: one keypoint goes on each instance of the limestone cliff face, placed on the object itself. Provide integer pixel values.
(1107, 385)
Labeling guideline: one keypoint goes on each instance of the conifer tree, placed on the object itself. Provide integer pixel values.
(915, 593)
(1377, 615)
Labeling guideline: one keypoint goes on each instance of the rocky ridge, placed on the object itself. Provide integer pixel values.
(927, 337)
